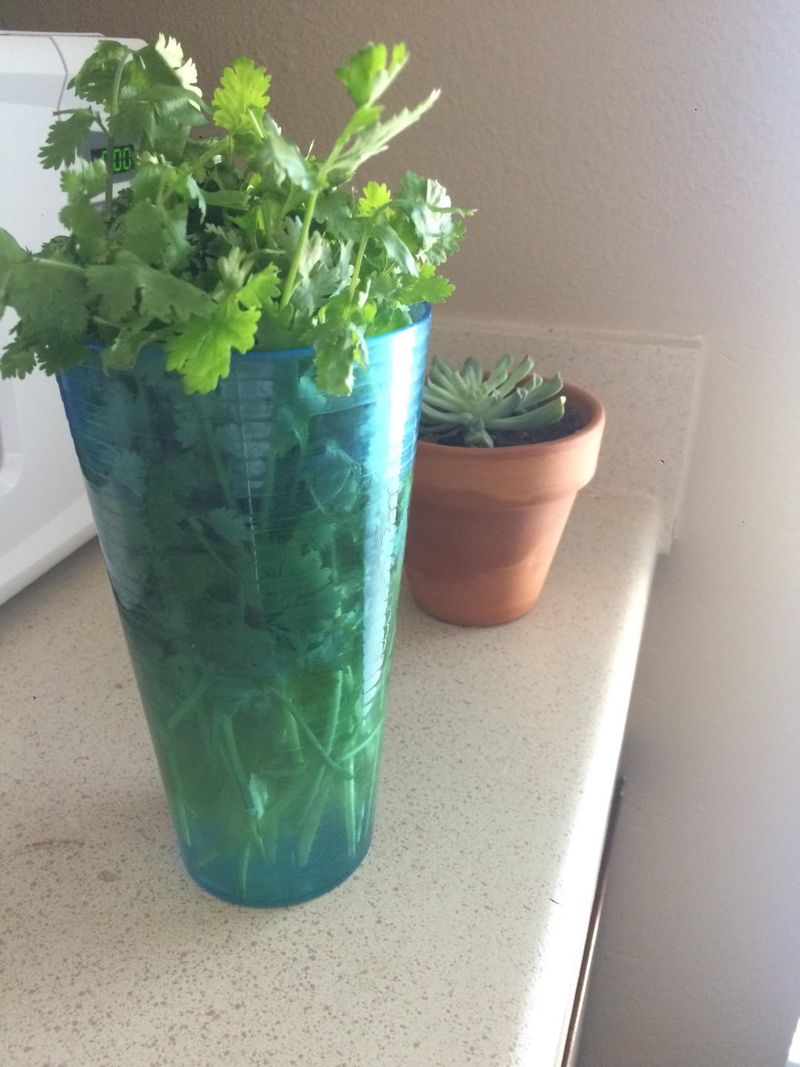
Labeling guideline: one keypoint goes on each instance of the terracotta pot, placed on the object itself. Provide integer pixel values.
(485, 523)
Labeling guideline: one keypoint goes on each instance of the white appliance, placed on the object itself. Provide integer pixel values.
(44, 513)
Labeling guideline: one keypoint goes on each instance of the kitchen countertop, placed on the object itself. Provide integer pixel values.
(458, 940)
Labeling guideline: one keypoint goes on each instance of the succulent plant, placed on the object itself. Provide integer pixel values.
(470, 406)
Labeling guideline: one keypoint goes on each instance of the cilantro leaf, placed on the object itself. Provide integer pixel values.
(328, 473)
(187, 428)
(10, 255)
(153, 180)
(284, 157)
(252, 441)
(143, 232)
(201, 350)
(230, 525)
(335, 211)
(129, 286)
(427, 206)
(157, 117)
(338, 348)
(123, 352)
(163, 63)
(63, 310)
(187, 188)
(59, 352)
(242, 93)
(283, 328)
(372, 140)
(387, 319)
(163, 296)
(116, 287)
(235, 199)
(428, 286)
(361, 117)
(233, 268)
(303, 594)
(373, 199)
(323, 269)
(130, 470)
(87, 182)
(366, 75)
(80, 215)
(67, 139)
(87, 225)
(156, 234)
(261, 288)
(150, 177)
(362, 71)
(137, 121)
(394, 246)
(95, 80)
(18, 359)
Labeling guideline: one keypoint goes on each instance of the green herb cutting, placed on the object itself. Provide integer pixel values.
(224, 242)
(239, 336)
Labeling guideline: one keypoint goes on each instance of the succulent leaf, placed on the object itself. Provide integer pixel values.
(472, 371)
(515, 377)
(467, 406)
(546, 389)
(500, 372)
(531, 420)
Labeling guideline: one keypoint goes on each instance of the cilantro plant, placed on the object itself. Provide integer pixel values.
(251, 504)
(224, 241)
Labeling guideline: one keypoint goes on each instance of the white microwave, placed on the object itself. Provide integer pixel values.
(44, 513)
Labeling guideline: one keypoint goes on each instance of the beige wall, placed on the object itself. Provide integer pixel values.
(635, 164)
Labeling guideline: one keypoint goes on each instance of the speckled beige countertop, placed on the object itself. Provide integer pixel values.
(456, 943)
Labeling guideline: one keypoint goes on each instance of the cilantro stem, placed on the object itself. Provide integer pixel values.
(267, 490)
(294, 740)
(201, 537)
(180, 804)
(309, 831)
(235, 760)
(162, 181)
(216, 459)
(113, 108)
(258, 125)
(187, 705)
(362, 247)
(315, 744)
(244, 864)
(240, 776)
(291, 277)
(349, 790)
(59, 265)
(212, 150)
(319, 790)
(348, 756)
(287, 202)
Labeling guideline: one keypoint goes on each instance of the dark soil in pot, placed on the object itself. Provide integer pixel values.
(570, 423)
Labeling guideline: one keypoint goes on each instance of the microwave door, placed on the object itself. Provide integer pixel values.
(44, 512)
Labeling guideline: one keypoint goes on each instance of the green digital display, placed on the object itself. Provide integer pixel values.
(123, 157)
